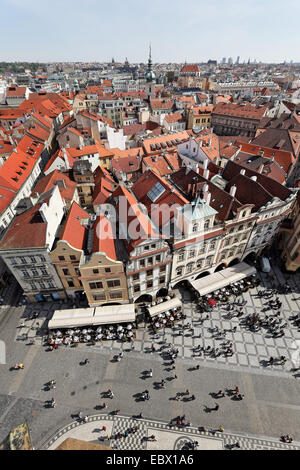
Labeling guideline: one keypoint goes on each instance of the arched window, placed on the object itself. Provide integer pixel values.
(206, 224)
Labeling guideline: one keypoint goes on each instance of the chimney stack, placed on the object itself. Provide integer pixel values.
(260, 169)
(207, 196)
(254, 178)
(205, 164)
(233, 190)
(206, 174)
(243, 171)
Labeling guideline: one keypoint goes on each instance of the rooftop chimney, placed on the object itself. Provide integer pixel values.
(233, 190)
(206, 174)
(207, 196)
(242, 172)
(254, 178)
(261, 167)
(205, 164)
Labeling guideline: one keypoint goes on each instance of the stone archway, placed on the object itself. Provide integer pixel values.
(163, 292)
(143, 298)
(234, 262)
(205, 273)
(220, 267)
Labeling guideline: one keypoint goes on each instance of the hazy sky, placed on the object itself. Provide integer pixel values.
(179, 30)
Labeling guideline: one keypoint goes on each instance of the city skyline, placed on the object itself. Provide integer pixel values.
(103, 31)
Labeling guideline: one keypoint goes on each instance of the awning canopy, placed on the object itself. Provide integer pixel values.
(223, 278)
(114, 314)
(71, 318)
(164, 306)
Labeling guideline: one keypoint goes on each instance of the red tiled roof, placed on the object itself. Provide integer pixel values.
(190, 68)
(49, 181)
(14, 90)
(175, 117)
(74, 232)
(282, 157)
(183, 136)
(26, 230)
(104, 185)
(104, 238)
(243, 111)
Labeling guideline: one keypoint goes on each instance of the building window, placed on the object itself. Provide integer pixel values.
(115, 295)
(149, 284)
(51, 285)
(32, 259)
(12, 261)
(163, 269)
(99, 297)
(61, 258)
(65, 271)
(135, 277)
(95, 271)
(70, 283)
(192, 253)
(25, 273)
(202, 249)
(195, 227)
(150, 261)
(212, 245)
(162, 280)
(42, 285)
(157, 258)
(136, 288)
(142, 263)
(32, 285)
(113, 283)
(107, 270)
(34, 272)
(206, 224)
(23, 260)
(189, 268)
(42, 258)
(181, 256)
(150, 272)
(72, 258)
(96, 285)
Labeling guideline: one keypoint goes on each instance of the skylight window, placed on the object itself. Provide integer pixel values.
(155, 192)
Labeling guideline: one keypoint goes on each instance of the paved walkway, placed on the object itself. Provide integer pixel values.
(168, 437)
(251, 350)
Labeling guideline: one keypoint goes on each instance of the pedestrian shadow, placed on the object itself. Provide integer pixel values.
(206, 409)
(264, 363)
(157, 385)
(214, 395)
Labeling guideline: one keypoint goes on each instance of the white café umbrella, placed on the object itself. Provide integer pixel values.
(120, 328)
(157, 325)
(99, 336)
(88, 337)
(130, 333)
(84, 332)
(171, 318)
(164, 320)
(99, 329)
(110, 327)
(129, 327)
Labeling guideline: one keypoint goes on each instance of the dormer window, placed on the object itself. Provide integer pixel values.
(206, 224)
(195, 228)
